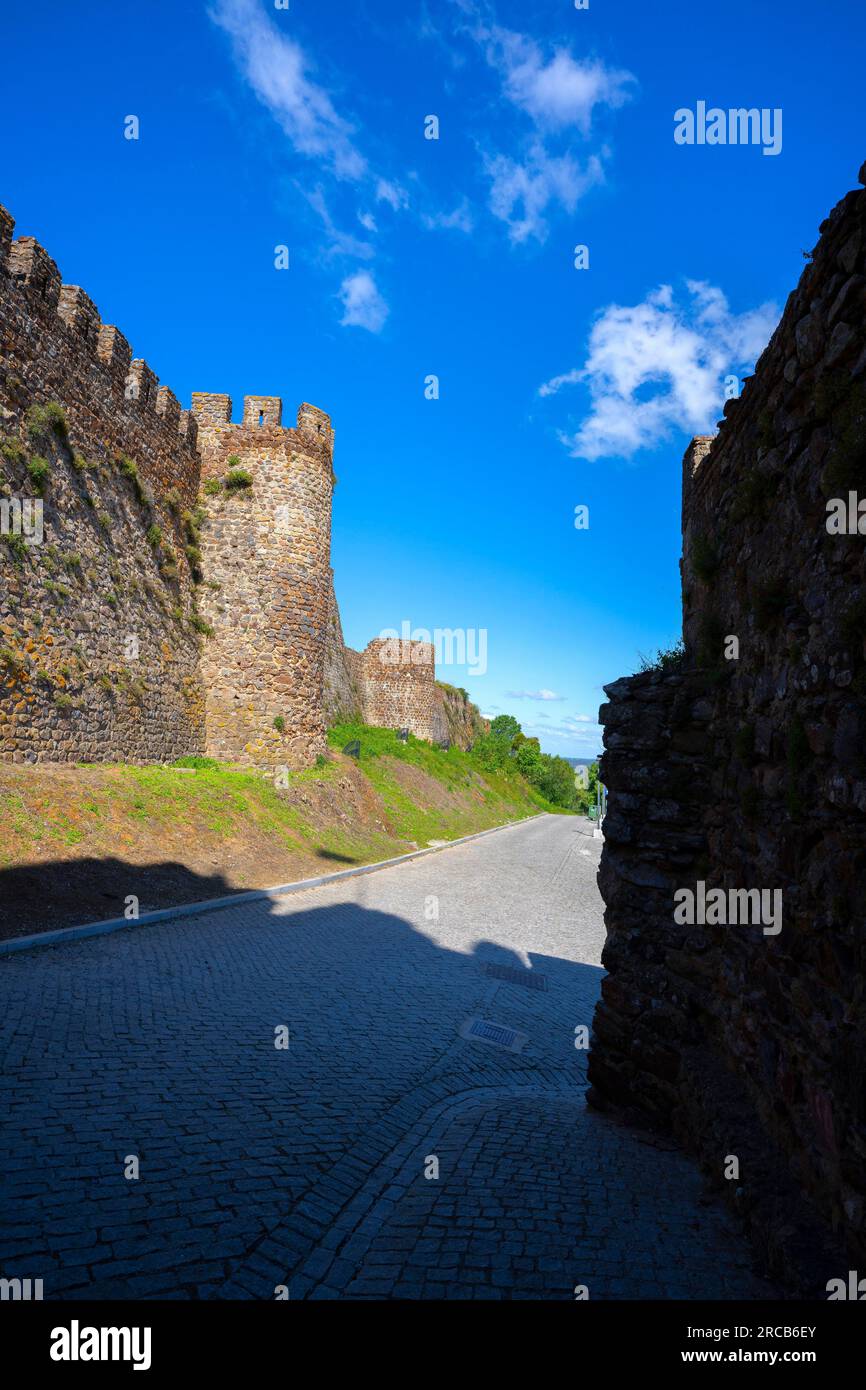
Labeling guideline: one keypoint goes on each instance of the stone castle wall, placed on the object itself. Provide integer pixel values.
(745, 768)
(167, 612)
(267, 546)
(99, 658)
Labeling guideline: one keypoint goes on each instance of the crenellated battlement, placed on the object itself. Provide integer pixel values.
(191, 523)
(68, 315)
(262, 416)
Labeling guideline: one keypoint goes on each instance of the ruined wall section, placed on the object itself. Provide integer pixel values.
(342, 671)
(397, 681)
(115, 472)
(455, 718)
(266, 555)
(746, 771)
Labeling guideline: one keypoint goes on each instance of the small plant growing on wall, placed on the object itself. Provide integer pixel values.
(17, 547)
(238, 480)
(44, 420)
(280, 724)
(12, 662)
(13, 451)
(212, 487)
(40, 471)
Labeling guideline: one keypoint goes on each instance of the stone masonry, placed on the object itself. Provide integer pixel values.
(743, 767)
(181, 599)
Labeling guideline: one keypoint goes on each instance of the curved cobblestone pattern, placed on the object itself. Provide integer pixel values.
(261, 1167)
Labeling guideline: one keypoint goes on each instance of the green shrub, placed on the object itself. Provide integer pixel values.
(17, 547)
(212, 487)
(238, 479)
(13, 451)
(104, 519)
(280, 724)
(154, 536)
(201, 625)
(12, 661)
(44, 420)
(62, 700)
(665, 659)
(40, 471)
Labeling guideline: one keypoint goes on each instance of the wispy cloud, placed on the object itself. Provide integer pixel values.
(363, 305)
(340, 243)
(534, 695)
(559, 91)
(658, 366)
(278, 71)
(559, 95)
(523, 190)
(460, 219)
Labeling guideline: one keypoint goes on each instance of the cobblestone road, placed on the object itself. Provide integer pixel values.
(308, 1166)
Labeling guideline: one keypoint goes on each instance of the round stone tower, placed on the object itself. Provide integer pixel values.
(266, 547)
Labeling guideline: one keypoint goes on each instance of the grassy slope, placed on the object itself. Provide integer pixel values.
(74, 841)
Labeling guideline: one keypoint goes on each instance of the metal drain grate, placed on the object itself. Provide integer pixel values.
(530, 978)
(495, 1034)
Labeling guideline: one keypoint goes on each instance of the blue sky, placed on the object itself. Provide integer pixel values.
(304, 127)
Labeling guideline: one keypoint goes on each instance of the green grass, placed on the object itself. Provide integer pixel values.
(491, 798)
(205, 798)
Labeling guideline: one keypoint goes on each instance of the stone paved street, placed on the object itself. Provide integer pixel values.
(305, 1167)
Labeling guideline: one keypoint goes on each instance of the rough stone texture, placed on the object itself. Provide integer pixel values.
(750, 773)
(455, 717)
(72, 684)
(268, 548)
(126, 556)
(398, 685)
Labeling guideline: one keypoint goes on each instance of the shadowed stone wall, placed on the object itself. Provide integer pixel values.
(742, 768)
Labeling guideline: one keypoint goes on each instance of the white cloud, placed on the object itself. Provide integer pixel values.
(363, 305)
(392, 194)
(559, 92)
(276, 68)
(339, 243)
(459, 220)
(560, 95)
(534, 695)
(658, 366)
(522, 190)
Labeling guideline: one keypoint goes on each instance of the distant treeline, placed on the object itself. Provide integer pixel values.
(508, 746)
